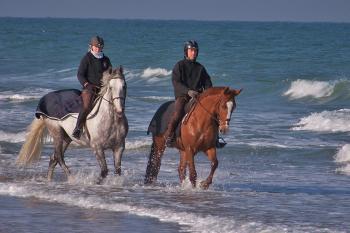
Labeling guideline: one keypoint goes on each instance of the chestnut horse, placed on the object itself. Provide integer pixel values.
(210, 115)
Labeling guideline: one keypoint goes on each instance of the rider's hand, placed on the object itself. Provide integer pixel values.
(89, 86)
(192, 93)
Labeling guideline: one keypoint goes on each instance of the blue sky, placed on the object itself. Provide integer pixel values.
(241, 10)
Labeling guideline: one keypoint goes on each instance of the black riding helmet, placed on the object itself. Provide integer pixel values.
(190, 44)
(97, 41)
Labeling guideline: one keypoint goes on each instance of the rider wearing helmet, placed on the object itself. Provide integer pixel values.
(90, 71)
(189, 78)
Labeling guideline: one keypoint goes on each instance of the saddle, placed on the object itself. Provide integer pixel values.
(59, 104)
(160, 120)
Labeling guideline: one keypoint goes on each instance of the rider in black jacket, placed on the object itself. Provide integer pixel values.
(189, 78)
(90, 71)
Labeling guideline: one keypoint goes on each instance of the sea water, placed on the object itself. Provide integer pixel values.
(286, 167)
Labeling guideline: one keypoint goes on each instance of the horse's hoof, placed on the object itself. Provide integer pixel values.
(118, 172)
(204, 185)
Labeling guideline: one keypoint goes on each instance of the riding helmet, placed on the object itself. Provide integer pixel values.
(190, 44)
(97, 41)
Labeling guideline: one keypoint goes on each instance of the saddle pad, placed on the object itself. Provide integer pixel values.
(59, 104)
(159, 122)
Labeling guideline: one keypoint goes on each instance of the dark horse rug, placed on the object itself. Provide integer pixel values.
(159, 122)
(59, 104)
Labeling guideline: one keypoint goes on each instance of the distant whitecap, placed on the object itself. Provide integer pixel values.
(308, 88)
(326, 121)
(155, 72)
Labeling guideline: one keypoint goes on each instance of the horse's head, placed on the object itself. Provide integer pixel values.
(226, 106)
(114, 84)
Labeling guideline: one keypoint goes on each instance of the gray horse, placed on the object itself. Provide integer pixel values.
(106, 128)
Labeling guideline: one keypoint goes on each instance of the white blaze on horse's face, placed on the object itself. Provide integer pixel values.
(118, 91)
(225, 123)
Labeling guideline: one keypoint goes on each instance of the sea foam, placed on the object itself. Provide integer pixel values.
(343, 158)
(24, 95)
(12, 137)
(326, 121)
(306, 88)
(155, 72)
(187, 220)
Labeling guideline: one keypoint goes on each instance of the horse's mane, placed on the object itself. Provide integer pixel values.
(212, 91)
(106, 77)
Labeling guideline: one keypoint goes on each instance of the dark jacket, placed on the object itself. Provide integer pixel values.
(189, 75)
(91, 69)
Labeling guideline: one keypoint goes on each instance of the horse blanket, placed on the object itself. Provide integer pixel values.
(59, 104)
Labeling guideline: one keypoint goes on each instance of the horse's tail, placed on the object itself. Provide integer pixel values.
(31, 149)
(154, 161)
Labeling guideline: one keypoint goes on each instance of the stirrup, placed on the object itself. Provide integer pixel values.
(220, 142)
(77, 133)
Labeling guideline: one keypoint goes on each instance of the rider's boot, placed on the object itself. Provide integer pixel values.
(220, 142)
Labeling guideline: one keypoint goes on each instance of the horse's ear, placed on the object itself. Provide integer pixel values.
(120, 69)
(236, 92)
(227, 90)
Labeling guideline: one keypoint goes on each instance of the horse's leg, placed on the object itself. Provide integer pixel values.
(53, 160)
(182, 166)
(191, 167)
(154, 161)
(211, 153)
(100, 156)
(60, 147)
(118, 152)
(52, 164)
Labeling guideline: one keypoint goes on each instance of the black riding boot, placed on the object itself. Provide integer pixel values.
(78, 130)
(169, 134)
(220, 142)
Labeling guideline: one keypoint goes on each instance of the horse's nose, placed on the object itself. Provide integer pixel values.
(120, 113)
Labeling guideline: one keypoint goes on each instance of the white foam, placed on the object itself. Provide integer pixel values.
(326, 121)
(188, 221)
(343, 158)
(155, 72)
(307, 88)
(162, 98)
(23, 95)
(343, 154)
(12, 137)
(138, 143)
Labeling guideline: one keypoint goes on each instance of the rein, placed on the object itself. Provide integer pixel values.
(212, 116)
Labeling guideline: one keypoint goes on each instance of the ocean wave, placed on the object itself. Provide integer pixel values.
(24, 95)
(136, 144)
(12, 137)
(160, 98)
(307, 88)
(326, 121)
(155, 72)
(342, 157)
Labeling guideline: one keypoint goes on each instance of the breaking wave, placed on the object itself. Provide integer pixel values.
(342, 157)
(24, 95)
(326, 121)
(308, 88)
(155, 72)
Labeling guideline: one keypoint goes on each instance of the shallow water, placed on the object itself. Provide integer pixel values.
(286, 166)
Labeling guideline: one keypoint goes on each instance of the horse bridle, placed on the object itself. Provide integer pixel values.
(118, 97)
(212, 116)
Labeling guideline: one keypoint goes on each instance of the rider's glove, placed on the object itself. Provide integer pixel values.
(192, 93)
